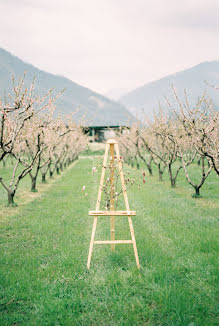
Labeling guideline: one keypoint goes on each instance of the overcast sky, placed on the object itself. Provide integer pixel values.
(110, 44)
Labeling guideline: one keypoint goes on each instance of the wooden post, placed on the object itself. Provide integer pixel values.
(112, 196)
(127, 206)
(97, 206)
(112, 147)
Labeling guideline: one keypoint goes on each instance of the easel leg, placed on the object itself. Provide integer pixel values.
(112, 195)
(112, 230)
(134, 242)
(92, 242)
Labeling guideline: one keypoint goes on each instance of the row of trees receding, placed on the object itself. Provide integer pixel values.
(175, 139)
(32, 140)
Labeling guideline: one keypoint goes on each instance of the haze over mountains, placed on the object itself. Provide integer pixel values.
(149, 96)
(94, 108)
(116, 93)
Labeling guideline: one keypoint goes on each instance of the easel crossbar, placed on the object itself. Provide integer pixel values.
(112, 241)
(112, 213)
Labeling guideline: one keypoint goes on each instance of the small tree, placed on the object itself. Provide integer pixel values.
(15, 115)
(38, 140)
(198, 123)
(132, 147)
(160, 139)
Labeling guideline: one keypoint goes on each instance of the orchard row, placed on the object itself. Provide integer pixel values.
(33, 140)
(175, 139)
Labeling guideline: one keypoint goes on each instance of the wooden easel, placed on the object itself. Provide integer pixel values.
(113, 148)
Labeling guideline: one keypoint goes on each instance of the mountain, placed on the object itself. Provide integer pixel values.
(148, 97)
(116, 93)
(94, 108)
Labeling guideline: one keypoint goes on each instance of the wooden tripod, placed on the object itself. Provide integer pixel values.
(113, 148)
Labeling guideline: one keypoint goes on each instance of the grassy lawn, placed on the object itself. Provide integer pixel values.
(44, 246)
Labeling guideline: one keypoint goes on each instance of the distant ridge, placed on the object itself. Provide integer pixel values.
(149, 96)
(95, 108)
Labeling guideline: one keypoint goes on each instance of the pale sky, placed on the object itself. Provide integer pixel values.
(110, 44)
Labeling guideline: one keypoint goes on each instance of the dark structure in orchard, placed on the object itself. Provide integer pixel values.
(101, 133)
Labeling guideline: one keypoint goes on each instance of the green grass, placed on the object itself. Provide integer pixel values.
(89, 152)
(44, 247)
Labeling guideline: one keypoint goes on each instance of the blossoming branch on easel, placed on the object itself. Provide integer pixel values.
(129, 180)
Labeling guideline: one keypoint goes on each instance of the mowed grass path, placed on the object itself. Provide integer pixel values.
(44, 247)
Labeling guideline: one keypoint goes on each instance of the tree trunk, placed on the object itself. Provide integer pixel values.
(43, 178)
(161, 175)
(173, 183)
(11, 198)
(197, 191)
(33, 184)
(149, 169)
(57, 170)
(172, 179)
(161, 171)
